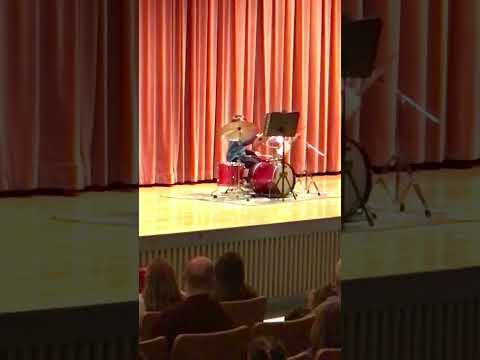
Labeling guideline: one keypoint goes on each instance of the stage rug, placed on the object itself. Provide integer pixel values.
(129, 219)
(253, 201)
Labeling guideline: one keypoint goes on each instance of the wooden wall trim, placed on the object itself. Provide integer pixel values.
(410, 289)
(230, 235)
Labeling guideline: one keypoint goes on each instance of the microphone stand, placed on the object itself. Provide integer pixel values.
(308, 175)
(399, 163)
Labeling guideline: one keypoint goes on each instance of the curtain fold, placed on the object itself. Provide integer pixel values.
(203, 61)
(438, 48)
(67, 94)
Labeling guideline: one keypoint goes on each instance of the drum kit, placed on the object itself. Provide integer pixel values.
(270, 175)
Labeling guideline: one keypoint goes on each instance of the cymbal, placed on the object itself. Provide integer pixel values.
(239, 130)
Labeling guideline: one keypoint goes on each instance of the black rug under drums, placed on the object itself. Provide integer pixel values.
(128, 219)
(251, 201)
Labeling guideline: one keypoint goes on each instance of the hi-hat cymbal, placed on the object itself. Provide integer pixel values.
(239, 130)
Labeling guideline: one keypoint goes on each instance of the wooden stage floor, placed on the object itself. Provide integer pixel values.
(165, 210)
(408, 243)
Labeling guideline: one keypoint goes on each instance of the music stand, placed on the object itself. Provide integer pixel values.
(359, 50)
(283, 124)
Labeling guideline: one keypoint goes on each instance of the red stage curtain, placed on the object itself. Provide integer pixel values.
(68, 93)
(438, 51)
(202, 61)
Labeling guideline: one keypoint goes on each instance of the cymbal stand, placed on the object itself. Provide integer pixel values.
(236, 189)
(309, 180)
(401, 164)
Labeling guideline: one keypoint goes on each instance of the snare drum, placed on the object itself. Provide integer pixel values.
(265, 176)
(230, 173)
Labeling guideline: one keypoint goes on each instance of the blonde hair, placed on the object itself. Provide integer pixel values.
(161, 288)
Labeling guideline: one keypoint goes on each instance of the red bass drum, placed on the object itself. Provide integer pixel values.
(265, 176)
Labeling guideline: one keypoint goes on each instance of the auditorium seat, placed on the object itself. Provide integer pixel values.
(148, 321)
(154, 349)
(141, 279)
(304, 355)
(246, 312)
(230, 344)
(294, 334)
(329, 354)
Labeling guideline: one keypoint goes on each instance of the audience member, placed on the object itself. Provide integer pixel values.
(230, 279)
(337, 287)
(266, 348)
(199, 313)
(314, 299)
(326, 329)
(161, 288)
(338, 279)
(330, 292)
(317, 297)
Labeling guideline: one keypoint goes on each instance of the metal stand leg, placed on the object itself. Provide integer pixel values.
(309, 181)
(315, 186)
(306, 187)
(359, 198)
(417, 189)
(403, 196)
(382, 182)
(283, 177)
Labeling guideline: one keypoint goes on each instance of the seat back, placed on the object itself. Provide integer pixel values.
(304, 355)
(329, 354)
(148, 322)
(230, 344)
(294, 334)
(154, 349)
(246, 312)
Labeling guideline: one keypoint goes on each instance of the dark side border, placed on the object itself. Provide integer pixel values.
(88, 323)
(434, 287)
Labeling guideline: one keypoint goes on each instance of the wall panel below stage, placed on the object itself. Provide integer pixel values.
(432, 315)
(280, 260)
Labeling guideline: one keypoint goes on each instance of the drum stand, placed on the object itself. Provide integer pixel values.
(283, 178)
(400, 164)
(236, 189)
